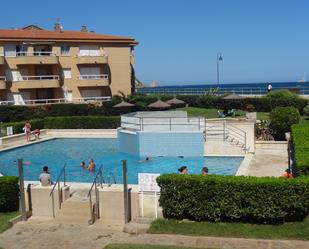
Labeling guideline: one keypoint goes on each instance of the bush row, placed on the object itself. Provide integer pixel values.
(274, 99)
(232, 198)
(75, 122)
(9, 194)
(300, 138)
(263, 104)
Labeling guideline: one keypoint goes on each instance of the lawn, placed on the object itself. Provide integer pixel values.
(293, 230)
(5, 220)
(208, 113)
(135, 246)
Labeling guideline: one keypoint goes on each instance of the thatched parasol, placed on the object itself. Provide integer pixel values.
(175, 101)
(159, 104)
(233, 96)
(123, 104)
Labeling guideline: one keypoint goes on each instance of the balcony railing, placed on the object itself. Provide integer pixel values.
(91, 53)
(2, 78)
(35, 53)
(41, 77)
(60, 100)
(93, 76)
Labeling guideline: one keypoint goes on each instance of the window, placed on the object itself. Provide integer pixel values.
(89, 50)
(67, 73)
(65, 50)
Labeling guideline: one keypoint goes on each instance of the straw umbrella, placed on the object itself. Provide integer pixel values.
(123, 104)
(175, 101)
(233, 96)
(159, 104)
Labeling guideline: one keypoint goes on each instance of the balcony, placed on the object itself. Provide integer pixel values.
(92, 57)
(2, 59)
(33, 58)
(43, 81)
(2, 83)
(92, 80)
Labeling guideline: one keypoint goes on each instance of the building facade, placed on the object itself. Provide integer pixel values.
(38, 65)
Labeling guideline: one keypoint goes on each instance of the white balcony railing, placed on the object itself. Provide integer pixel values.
(93, 76)
(91, 53)
(2, 78)
(35, 53)
(41, 77)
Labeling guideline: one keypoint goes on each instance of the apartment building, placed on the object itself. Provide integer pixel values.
(38, 65)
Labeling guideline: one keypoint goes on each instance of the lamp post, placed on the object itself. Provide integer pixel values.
(219, 58)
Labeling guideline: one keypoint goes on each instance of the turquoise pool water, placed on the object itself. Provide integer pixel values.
(55, 153)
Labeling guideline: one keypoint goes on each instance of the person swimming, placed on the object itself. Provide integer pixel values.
(183, 170)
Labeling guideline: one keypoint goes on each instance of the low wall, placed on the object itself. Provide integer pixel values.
(41, 201)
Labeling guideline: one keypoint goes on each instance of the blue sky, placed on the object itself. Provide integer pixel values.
(261, 40)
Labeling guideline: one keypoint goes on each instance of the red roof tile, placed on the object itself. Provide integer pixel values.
(33, 34)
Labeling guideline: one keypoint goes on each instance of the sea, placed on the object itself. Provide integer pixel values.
(301, 88)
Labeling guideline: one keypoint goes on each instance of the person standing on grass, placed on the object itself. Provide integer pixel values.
(269, 87)
(45, 178)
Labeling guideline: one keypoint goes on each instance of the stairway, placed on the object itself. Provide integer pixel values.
(222, 138)
(75, 209)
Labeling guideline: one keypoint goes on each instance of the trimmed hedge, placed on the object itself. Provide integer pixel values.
(9, 194)
(281, 121)
(232, 198)
(264, 104)
(300, 138)
(75, 122)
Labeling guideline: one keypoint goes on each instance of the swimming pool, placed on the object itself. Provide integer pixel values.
(55, 153)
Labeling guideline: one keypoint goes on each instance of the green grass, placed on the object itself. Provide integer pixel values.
(5, 220)
(208, 113)
(136, 246)
(295, 230)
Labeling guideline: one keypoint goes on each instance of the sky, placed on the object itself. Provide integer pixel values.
(260, 40)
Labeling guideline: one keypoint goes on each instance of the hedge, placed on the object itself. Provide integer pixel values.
(9, 194)
(75, 122)
(264, 104)
(281, 121)
(300, 138)
(232, 198)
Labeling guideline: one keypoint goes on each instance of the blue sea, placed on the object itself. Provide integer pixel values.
(237, 88)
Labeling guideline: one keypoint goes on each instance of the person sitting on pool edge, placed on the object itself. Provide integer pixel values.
(91, 165)
(204, 171)
(45, 178)
(183, 170)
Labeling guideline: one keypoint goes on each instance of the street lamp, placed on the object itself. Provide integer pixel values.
(219, 58)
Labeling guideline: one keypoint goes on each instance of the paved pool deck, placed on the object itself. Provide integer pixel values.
(39, 233)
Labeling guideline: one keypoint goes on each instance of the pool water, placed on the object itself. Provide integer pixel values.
(57, 152)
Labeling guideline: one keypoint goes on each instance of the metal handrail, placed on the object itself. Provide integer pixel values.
(111, 178)
(40, 77)
(35, 53)
(92, 54)
(60, 197)
(92, 76)
(95, 208)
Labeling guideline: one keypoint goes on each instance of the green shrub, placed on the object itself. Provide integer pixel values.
(281, 120)
(306, 110)
(300, 138)
(83, 122)
(232, 198)
(9, 194)
(75, 122)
